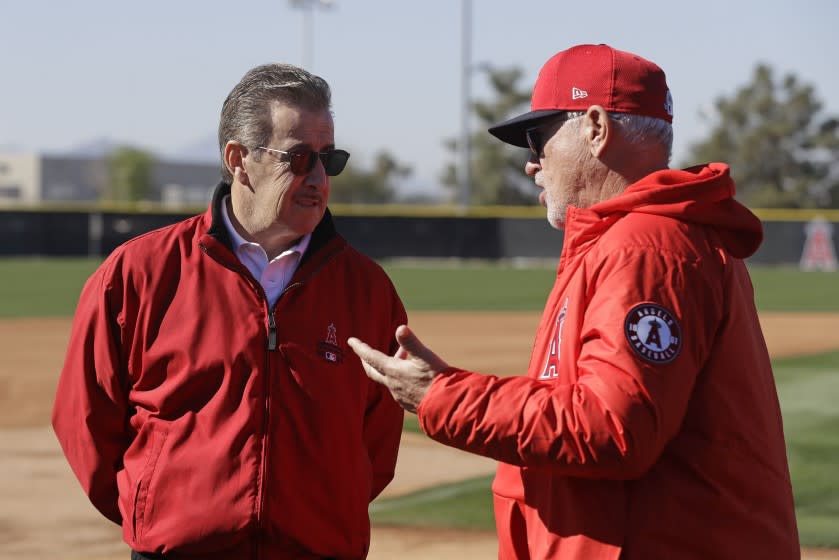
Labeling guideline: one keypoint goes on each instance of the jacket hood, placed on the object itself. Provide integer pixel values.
(703, 194)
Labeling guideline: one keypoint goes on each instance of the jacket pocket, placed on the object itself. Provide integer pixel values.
(142, 496)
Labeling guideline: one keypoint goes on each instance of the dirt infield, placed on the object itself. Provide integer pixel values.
(43, 513)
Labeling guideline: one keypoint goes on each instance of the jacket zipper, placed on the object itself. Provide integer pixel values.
(260, 511)
(273, 345)
(266, 417)
(272, 331)
(272, 323)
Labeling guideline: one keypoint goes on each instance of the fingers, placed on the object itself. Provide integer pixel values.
(358, 346)
(374, 374)
(365, 352)
(414, 347)
(406, 375)
(372, 360)
(408, 340)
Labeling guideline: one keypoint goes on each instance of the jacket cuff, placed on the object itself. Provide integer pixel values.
(426, 410)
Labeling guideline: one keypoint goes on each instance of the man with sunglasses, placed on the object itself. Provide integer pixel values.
(648, 425)
(208, 401)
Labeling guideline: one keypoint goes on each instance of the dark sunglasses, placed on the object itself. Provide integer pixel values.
(535, 136)
(534, 140)
(302, 162)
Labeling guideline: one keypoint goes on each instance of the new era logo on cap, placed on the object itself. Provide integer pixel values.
(619, 81)
(586, 75)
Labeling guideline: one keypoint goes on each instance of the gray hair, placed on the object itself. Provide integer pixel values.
(246, 113)
(640, 129)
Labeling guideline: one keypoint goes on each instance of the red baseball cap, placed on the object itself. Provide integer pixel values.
(586, 75)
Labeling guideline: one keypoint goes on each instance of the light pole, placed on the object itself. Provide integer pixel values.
(307, 7)
(466, 104)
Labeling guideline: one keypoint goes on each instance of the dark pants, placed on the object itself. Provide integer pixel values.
(150, 556)
(146, 556)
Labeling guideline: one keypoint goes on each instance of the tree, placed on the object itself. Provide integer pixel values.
(131, 171)
(782, 151)
(497, 168)
(355, 185)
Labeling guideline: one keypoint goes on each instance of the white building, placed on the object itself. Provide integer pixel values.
(31, 178)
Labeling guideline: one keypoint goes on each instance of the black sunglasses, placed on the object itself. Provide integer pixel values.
(535, 136)
(302, 162)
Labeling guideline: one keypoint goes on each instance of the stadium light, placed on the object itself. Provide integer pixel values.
(307, 7)
(465, 104)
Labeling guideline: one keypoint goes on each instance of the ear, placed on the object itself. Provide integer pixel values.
(598, 129)
(234, 160)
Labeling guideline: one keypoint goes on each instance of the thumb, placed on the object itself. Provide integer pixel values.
(411, 344)
(409, 341)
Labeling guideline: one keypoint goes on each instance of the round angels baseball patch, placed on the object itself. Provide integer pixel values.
(653, 333)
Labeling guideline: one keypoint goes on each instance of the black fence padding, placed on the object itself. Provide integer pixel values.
(120, 227)
(43, 233)
(432, 237)
(79, 233)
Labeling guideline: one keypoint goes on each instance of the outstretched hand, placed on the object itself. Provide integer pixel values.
(408, 374)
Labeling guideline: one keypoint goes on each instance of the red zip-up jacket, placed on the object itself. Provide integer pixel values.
(212, 426)
(648, 425)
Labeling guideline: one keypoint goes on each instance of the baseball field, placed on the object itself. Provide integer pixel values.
(480, 316)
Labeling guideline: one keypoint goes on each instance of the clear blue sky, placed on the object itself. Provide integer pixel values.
(154, 73)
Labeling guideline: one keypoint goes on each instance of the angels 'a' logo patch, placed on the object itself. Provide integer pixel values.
(653, 333)
(329, 349)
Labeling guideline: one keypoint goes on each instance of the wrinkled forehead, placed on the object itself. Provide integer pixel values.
(290, 121)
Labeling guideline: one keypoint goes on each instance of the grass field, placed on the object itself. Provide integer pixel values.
(50, 287)
(808, 386)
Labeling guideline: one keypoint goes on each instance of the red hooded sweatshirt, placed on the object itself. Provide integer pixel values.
(648, 425)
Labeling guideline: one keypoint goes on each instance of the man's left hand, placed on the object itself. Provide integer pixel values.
(408, 374)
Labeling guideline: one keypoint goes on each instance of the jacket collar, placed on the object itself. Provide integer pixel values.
(324, 231)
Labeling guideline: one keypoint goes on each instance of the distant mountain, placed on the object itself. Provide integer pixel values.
(203, 150)
(95, 148)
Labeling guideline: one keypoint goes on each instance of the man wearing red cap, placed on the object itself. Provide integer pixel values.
(648, 425)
